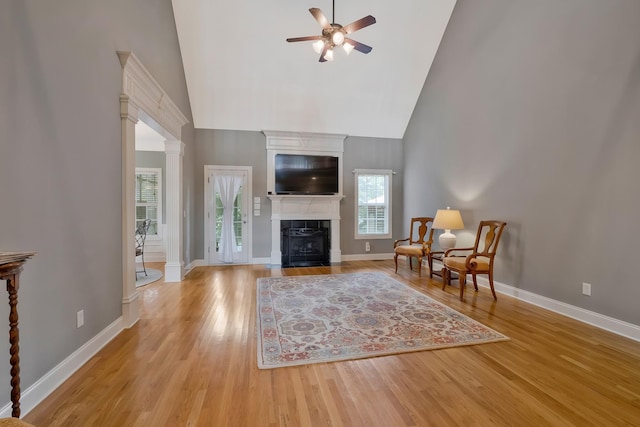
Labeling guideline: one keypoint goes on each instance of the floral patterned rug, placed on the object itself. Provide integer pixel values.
(312, 319)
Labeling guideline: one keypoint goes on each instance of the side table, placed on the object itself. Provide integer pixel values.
(438, 256)
(10, 268)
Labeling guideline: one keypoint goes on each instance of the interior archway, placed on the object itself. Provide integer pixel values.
(143, 98)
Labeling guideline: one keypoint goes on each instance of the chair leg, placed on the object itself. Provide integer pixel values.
(144, 268)
(444, 274)
(419, 266)
(475, 282)
(430, 262)
(395, 258)
(493, 291)
(463, 284)
(410, 263)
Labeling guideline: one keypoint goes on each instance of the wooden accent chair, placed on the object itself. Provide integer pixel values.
(420, 240)
(479, 261)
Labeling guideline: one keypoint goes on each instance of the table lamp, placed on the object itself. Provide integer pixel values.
(447, 220)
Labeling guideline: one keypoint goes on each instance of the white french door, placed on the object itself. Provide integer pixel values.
(227, 219)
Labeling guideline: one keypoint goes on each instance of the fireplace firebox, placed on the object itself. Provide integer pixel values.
(305, 243)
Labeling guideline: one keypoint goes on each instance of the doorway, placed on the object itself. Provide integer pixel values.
(227, 220)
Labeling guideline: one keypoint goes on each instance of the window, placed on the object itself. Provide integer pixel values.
(149, 199)
(373, 201)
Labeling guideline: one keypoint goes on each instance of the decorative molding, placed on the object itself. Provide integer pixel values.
(146, 94)
(50, 381)
(367, 257)
(301, 141)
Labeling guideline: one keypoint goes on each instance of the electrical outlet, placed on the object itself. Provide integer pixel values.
(586, 289)
(80, 319)
(367, 247)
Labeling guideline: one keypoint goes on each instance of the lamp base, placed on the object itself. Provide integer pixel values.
(447, 240)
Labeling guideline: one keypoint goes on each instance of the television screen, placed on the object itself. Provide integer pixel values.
(306, 174)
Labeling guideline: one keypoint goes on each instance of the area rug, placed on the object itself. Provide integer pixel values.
(153, 275)
(326, 318)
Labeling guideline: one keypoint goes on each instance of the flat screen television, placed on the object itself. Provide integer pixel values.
(306, 174)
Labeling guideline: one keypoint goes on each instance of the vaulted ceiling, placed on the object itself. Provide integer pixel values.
(241, 73)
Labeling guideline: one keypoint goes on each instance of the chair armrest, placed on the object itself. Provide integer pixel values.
(398, 241)
(473, 265)
(449, 251)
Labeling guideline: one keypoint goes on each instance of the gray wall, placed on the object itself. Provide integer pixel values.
(60, 160)
(530, 115)
(371, 153)
(155, 159)
(233, 148)
(242, 148)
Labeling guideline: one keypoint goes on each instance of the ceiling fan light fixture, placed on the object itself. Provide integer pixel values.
(329, 55)
(318, 45)
(334, 34)
(337, 38)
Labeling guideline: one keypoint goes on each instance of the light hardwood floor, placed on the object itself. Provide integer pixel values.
(191, 361)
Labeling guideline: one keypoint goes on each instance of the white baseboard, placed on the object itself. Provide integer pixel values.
(366, 257)
(592, 318)
(601, 321)
(42, 388)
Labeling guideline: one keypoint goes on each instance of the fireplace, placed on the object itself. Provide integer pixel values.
(292, 208)
(305, 243)
(305, 209)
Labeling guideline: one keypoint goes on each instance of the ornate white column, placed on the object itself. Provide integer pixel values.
(174, 267)
(130, 303)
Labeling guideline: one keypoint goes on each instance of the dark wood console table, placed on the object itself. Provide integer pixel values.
(10, 268)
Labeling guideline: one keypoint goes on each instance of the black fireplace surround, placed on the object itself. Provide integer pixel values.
(305, 243)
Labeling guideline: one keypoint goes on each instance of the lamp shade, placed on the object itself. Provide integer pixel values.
(448, 219)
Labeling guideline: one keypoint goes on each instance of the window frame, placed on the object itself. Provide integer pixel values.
(388, 174)
(158, 172)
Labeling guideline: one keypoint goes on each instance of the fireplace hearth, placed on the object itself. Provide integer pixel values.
(305, 243)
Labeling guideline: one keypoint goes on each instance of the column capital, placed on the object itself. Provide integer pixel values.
(174, 147)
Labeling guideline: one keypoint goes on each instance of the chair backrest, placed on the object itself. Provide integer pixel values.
(421, 231)
(141, 233)
(488, 237)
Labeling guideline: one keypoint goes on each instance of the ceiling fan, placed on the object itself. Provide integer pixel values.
(335, 35)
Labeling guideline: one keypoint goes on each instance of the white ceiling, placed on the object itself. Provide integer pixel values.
(148, 139)
(241, 73)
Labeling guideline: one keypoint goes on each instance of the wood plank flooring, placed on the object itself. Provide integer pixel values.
(191, 361)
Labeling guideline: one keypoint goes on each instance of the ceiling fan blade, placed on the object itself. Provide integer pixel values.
(324, 52)
(304, 39)
(359, 24)
(322, 20)
(360, 47)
